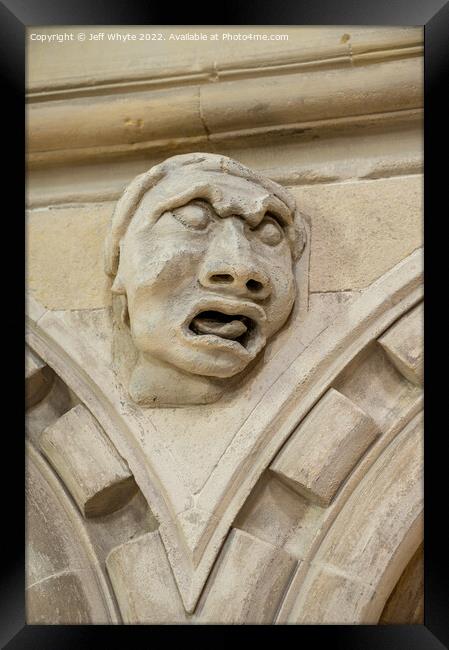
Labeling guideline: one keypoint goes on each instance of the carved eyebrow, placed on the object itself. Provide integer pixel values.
(279, 220)
(279, 211)
(273, 207)
(282, 217)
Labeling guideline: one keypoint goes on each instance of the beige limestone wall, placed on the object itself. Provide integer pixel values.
(360, 230)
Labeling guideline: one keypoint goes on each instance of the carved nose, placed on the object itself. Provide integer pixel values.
(242, 281)
(231, 266)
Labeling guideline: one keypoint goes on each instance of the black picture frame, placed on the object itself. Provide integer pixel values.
(15, 17)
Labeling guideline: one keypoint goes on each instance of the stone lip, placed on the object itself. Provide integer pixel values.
(227, 327)
(231, 307)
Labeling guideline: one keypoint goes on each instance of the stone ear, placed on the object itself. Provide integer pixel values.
(123, 306)
(299, 235)
(121, 300)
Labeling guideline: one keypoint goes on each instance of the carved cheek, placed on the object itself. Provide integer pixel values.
(286, 291)
(282, 298)
(164, 269)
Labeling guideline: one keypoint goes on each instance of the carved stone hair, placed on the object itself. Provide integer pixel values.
(197, 162)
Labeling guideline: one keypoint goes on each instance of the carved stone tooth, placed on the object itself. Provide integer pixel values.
(325, 448)
(98, 479)
(38, 378)
(248, 583)
(143, 582)
(404, 345)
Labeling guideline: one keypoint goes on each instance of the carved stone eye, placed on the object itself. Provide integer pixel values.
(194, 215)
(269, 231)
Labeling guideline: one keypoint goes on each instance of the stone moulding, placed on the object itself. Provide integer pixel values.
(51, 598)
(193, 526)
(201, 116)
(376, 46)
(340, 583)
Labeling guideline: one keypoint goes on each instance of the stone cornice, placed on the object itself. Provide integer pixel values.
(257, 103)
(77, 87)
(366, 46)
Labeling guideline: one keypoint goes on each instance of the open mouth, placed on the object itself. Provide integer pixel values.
(225, 326)
(232, 327)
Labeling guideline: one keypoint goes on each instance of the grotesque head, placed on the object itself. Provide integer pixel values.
(201, 251)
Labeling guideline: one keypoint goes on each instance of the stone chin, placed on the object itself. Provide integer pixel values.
(217, 341)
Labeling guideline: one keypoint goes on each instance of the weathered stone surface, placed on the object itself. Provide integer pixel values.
(404, 344)
(97, 477)
(361, 229)
(248, 583)
(63, 578)
(303, 99)
(294, 77)
(65, 256)
(374, 154)
(272, 511)
(331, 591)
(60, 600)
(116, 528)
(325, 448)
(406, 602)
(58, 401)
(143, 582)
(116, 120)
(103, 59)
(373, 383)
(377, 388)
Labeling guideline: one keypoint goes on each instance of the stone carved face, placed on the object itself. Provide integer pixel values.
(207, 278)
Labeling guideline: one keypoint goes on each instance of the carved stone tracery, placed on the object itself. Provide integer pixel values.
(390, 415)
